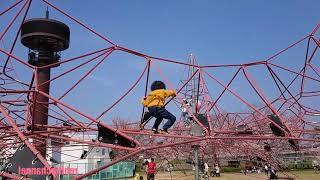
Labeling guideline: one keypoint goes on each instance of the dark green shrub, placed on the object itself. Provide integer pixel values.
(230, 169)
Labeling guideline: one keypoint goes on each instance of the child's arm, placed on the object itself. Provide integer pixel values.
(145, 101)
(169, 93)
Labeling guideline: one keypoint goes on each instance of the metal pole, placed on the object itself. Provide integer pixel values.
(194, 111)
(193, 85)
(196, 161)
(41, 105)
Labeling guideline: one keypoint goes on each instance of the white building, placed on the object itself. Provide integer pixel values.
(77, 155)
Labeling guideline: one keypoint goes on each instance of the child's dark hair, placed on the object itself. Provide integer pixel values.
(157, 85)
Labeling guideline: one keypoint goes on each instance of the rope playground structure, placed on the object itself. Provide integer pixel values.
(256, 109)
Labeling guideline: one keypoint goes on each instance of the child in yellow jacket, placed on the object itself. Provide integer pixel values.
(155, 102)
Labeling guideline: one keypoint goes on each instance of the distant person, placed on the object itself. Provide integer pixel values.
(206, 168)
(217, 169)
(138, 177)
(186, 118)
(151, 169)
(273, 174)
(269, 168)
(155, 102)
(254, 169)
(266, 169)
(145, 162)
(169, 167)
(193, 167)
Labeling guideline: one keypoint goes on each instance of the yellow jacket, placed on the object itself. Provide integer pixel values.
(157, 97)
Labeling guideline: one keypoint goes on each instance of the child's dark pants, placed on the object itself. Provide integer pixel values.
(160, 114)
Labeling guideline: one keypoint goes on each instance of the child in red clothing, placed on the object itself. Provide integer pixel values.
(151, 168)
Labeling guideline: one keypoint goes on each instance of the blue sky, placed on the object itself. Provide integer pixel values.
(217, 32)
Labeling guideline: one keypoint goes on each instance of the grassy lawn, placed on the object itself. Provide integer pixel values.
(307, 174)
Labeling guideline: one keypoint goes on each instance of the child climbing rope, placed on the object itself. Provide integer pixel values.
(155, 102)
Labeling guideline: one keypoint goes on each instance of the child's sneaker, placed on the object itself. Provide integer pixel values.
(164, 131)
(154, 130)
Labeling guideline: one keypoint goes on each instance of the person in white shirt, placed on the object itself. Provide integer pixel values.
(217, 170)
(266, 169)
(206, 168)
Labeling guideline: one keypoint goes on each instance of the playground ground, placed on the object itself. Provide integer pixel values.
(305, 175)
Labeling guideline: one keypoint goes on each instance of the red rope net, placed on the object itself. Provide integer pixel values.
(237, 101)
